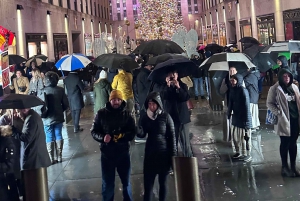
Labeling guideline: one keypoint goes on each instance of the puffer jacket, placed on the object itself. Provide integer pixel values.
(161, 143)
(251, 82)
(102, 91)
(278, 104)
(119, 124)
(239, 104)
(123, 82)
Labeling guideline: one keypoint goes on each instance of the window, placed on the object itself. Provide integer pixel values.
(189, 2)
(75, 5)
(124, 13)
(190, 10)
(50, 1)
(135, 12)
(60, 3)
(118, 5)
(81, 6)
(107, 13)
(119, 16)
(68, 4)
(195, 2)
(86, 7)
(124, 5)
(179, 10)
(196, 9)
(95, 7)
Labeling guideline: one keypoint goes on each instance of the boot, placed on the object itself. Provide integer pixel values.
(286, 172)
(50, 148)
(77, 129)
(59, 148)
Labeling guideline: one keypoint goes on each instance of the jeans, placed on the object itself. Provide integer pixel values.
(121, 162)
(75, 118)
(149, 178)
(198, 83)
(53, 132)
(260, 84)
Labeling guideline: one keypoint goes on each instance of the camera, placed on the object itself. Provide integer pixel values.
(171, 78)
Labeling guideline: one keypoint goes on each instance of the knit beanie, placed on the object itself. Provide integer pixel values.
(103, 75)
(115, 94)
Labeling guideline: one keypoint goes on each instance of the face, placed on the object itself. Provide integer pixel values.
(152, 106)
(115, 103)
(233, 82)
(42, 75)
(286, 78)
(33, 65)
(23, 112)
(18, 74)
(232, 71)
(279, 62)
(173, 76)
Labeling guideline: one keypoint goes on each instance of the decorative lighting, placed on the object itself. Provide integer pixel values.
(20, 7)
(209, 12)
(237, 1)
(66, 16)
(223, 7)
(83, 19)
(216, 10)
(48, 12)
(92, 20)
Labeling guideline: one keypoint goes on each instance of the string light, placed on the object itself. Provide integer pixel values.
(158, 19)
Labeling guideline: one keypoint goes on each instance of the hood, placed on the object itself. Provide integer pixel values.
(154, 96)
(256, 73)
(284, 61)
(122, 71)
(239, 79)
(280, 75)
(51, 79)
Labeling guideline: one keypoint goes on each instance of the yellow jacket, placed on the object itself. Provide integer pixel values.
(123, 82)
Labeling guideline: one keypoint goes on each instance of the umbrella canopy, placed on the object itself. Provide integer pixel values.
(72, 62)
(39, 59)
(249, 40)
(158, 47)
(164, 57)
(283, 46)
(214, 48)
(15, 59)
(116, 61)
(183, 66)
(19, 101)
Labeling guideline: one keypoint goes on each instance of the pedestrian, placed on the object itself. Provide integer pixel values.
(33, 65)
(239, 109)
(20, 84)
(251, 82)
(283, 62)
(57, 103)
(175, 96)
(198, 78)
(284, 101)
(36, 84)
(114, 128)
(123, 82)
(160, 146)
(74, 91)
(102, 89)
(226, 85)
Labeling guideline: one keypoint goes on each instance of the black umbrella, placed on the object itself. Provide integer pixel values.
(214, 48)
(39, 59)
(158, 47)
(15, 59)
(19, 101)
(183, 66)
(162, 58)
(116, 61)
(253, 51)
(249, 40)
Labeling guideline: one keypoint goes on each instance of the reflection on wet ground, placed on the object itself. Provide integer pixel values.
(221, 178)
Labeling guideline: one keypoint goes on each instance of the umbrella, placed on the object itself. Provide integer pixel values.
(164, 57)
(72, 62)
(19, 101)
(249, 40)
(202, 47)
(39, 59)
(116, 61)
(283, 46)
(214, 48)
(183, 66)
(158, 47)
(15, 59)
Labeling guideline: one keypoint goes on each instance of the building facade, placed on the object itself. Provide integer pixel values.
(54, 27)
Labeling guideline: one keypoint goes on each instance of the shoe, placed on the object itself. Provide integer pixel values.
(247, 158)
(286, 172)
(50, 149)
(140, 141)
(59, 148)
(203, 97)
(237, 155)
(196, 97)
(295, 171)
(76, 130)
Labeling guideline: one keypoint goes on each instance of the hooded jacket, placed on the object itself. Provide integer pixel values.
(119, 124)
(278, 104)
(56, 99)
(251, 82)
(239, 104)
(284, 62)
(123, 82)
(102, 91)
(161, 141)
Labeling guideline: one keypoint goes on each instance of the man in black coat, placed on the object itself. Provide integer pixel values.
(114, 128)
(74, 91)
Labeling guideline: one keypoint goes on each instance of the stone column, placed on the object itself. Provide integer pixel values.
(237, 25)
(279, 25)
(50, 44)
(253, 20)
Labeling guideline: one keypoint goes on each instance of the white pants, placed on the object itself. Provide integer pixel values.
(239, 141)
(255, 115)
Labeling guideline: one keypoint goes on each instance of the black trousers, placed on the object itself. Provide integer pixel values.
(288, 145)
(149, 178)
(76, 117)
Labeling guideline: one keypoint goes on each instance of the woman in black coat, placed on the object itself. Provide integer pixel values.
(160, 145)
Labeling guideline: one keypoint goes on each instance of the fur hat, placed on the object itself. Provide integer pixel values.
(103, 75)
(115, 94)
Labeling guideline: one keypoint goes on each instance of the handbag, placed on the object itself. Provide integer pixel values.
(271, 118)
(21, 89)
(190, 104)
(34, 93)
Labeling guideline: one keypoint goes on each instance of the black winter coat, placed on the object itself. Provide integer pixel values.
(251, 82)
(74, 87)
(161, 143)
(143, 85)
(119, 124)
(175, 103)
(239, 104)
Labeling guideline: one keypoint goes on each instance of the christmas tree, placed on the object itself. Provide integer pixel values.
(158, 19)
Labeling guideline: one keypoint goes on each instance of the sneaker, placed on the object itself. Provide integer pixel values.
(237, 155)
(247, 158)
(139, 141)
(196, 97)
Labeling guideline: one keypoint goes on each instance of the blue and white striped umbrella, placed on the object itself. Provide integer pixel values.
(72, 62)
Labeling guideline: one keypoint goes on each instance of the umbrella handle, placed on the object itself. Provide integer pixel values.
(62, 73)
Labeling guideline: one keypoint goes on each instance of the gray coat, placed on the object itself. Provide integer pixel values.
(36, 86)
(34, 153)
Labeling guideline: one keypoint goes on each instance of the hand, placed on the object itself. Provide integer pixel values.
(168, 81)
(107, 138)
(176, 84)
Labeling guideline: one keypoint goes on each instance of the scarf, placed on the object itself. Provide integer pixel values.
(153, 115)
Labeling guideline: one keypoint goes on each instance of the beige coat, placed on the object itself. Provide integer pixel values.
(22, 81)
(278, 104)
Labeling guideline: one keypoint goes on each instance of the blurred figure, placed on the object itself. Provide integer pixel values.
(111, 73)
(198, 78)
(226, 85)
(29, 69)
(160, 146)
(74, 91)
(36, 84)
(283, 62)
(20, 84)
(102, 89)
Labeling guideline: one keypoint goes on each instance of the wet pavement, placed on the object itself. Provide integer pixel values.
(221, 178)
